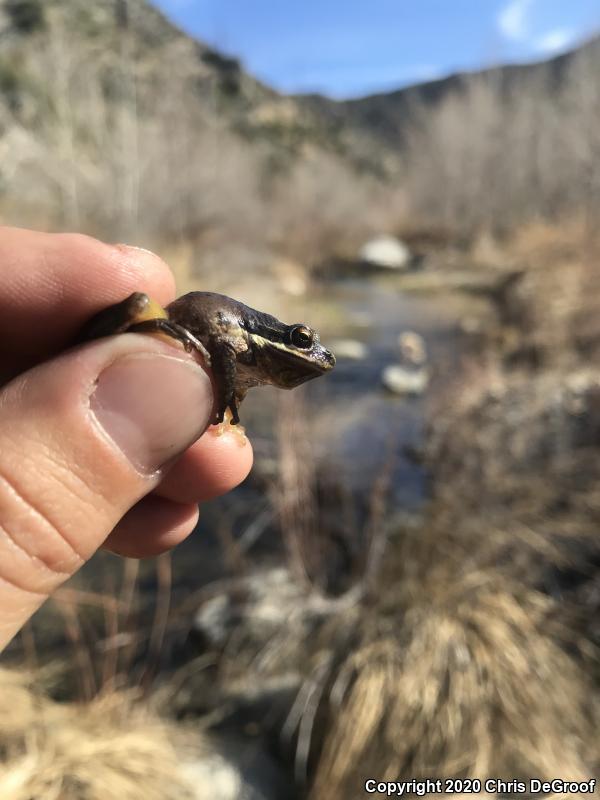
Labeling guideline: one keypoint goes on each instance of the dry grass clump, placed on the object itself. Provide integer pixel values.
(109, 748)
(459, 678)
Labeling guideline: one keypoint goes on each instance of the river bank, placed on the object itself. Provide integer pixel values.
(424, 564)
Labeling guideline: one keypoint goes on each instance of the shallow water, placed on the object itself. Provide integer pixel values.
(382, 425)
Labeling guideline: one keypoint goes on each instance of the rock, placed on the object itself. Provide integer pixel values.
(412, 348)
(351, 349)
(230, 767)
(213, 777)
(213, 619)
(387, 252)
(267, 607)
(404, 380)
(266, 599)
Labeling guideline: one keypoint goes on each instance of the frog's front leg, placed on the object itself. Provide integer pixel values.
(224, 371)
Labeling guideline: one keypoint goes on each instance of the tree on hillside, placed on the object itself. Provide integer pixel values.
(25, 16)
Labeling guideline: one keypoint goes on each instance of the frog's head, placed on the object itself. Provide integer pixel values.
(288, 355)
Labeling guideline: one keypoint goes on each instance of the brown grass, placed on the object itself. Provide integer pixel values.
(111, 747)
(459, 678)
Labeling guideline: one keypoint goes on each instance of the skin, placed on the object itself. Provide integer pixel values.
(66, 488)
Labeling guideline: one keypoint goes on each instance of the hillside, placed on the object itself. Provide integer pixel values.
(104, 104)
(387, 116)
(114, 121)
(129, 35)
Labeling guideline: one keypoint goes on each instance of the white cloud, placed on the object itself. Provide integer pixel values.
(512, 20)
(553, 41)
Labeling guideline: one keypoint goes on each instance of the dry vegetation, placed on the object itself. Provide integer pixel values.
(111, 747)
(458, 676)
(480, 655)
(487, 157)
(137, 138)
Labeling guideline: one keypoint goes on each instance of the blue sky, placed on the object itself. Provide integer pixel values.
(346, 48)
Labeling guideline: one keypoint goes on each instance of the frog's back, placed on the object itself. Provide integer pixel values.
(200, 312)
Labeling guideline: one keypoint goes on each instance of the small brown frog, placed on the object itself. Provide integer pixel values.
(244, 347)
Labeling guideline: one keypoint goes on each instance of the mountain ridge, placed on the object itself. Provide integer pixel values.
(381, 112)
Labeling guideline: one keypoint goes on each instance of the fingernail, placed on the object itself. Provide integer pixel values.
(153, 407)
(123, 246)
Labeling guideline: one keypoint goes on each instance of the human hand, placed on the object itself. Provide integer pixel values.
(99, 445)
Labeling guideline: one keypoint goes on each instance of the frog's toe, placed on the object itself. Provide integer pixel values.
(137, 303)
(191, 344)
(228, 425)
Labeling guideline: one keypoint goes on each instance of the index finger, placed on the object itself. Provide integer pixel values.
(50, 284)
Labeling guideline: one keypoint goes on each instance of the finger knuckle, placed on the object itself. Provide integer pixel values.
(41, 554)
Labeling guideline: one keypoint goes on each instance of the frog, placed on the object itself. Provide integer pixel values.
(243, 347)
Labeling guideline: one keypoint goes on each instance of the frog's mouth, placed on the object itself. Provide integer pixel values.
(289, 367)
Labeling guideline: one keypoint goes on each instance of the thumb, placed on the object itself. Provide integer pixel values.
(82, 438)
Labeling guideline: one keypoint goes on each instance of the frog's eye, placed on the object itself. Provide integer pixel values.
(302, 337)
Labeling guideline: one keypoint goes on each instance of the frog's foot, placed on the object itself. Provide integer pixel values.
(139, 313)
(119, 317)
(228, 425)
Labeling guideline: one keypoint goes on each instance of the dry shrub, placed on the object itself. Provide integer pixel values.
(559, 295)
(491, 154)
(111, 747)
(135, 142)
(319, 207)
(548, 304)
(514, 461)
(480, 657)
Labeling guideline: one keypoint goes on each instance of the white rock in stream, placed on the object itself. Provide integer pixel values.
(413, 348)
(404, 380)
(351, 349)
(386, 251)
